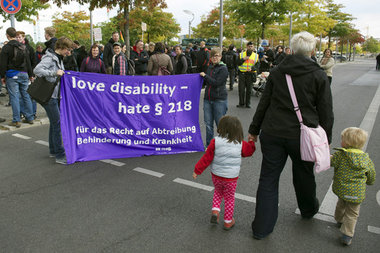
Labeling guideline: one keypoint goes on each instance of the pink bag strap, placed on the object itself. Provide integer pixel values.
(294, 98)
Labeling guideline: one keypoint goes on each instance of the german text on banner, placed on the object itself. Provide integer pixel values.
(109, 117)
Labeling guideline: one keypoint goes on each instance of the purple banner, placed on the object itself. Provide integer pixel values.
(108, 116)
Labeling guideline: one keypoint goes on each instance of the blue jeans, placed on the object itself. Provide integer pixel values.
(55, 139)
(213, 111)
(17, 86)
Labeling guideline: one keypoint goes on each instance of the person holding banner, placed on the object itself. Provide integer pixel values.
(51, 67)
(215, 99)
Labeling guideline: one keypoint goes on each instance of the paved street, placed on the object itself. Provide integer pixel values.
(152, 204)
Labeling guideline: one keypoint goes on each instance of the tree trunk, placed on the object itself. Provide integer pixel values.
(262, 31)
(126, 29)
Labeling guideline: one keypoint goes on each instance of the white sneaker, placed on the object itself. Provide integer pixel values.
(61, 160)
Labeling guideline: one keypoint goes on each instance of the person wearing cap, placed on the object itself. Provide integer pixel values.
(267, 61)
(119, 61)
(247, 62)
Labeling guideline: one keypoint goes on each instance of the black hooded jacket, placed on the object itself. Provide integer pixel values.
(108, 53)
(275, 114)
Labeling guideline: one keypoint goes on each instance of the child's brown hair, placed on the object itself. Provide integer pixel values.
(354, 137)
(229, 127)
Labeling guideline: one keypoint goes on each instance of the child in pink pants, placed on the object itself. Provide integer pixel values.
(223, 155)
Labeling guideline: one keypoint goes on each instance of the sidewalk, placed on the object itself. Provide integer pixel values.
(6, 113)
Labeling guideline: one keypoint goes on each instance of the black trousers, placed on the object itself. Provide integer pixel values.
(231, 73)
(245, 87)
(275, 152)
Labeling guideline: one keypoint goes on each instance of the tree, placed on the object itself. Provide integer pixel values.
(29, 9)
(371, 45)
(343, 26)
(259, 14)
(73, 25)
(124, 6)
(210, 24)
(310, 16)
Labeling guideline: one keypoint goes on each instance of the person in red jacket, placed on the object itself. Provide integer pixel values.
(223, 155)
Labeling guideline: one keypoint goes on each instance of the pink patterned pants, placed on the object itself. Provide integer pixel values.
(226, 190)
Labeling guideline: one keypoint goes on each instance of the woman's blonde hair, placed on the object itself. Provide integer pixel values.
(354, 137)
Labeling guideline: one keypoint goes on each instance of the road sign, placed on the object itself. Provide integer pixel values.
(98, 34)
(11, 6)
(143, 26)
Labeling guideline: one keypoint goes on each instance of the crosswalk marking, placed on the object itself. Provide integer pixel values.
(22, 136)
(45, 143)
(193, 184)
(374, 230)
(113, 162)
(149, 172)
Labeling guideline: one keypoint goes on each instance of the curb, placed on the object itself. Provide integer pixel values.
(4, 128)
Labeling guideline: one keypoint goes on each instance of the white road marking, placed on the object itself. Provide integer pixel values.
(192, 184)
(245, 197)
(149, 172)
(374, 230)
(320, 216)
(22, 136)
(210, 188)
(45, 143)
(378, 197)
(116, 163)
(328, 204)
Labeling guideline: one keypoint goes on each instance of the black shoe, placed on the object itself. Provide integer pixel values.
(248, 106)
(240, 106)
(231, 88)
(2, 120)
(2, 95)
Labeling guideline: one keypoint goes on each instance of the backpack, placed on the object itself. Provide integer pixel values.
(230, 61)
(131, 67)
(88, 59)
(19, 55)
(162, 70)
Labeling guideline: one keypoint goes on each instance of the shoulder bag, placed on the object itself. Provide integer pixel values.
(314, 146)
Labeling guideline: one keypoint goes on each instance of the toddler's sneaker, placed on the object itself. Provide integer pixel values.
(214, 217)
(228, 226)
(346, 240)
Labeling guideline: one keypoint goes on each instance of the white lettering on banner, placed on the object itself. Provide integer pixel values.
(91, 86)
(144, 89)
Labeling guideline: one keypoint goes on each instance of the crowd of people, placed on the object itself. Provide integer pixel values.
(274, 120)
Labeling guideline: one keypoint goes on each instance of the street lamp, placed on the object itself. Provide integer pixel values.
(189, 13)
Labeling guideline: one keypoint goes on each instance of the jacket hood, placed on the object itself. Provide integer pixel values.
(298, 65)
(356, 156)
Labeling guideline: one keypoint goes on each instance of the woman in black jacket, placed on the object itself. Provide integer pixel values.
(276, 122)
(215, 99)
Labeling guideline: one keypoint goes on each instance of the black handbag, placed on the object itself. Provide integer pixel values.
(41, 90)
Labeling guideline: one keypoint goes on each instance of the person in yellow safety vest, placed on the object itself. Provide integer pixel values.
(248, 63)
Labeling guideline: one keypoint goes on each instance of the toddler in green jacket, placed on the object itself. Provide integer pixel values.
(353, 169)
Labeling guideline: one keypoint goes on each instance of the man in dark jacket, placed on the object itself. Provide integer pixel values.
(50, 39)
(266, 62)
(203, 58)
(15, 71)
(140, 58)
(108, 52)
(230, 59)
(276, 122)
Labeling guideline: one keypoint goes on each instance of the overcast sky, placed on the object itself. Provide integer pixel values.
(366, 14)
